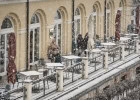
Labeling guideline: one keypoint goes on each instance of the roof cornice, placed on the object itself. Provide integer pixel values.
(17, 1)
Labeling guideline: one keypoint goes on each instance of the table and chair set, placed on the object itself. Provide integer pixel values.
(47, 70)
(69, 60)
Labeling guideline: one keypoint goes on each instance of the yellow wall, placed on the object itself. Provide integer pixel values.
(47, 11)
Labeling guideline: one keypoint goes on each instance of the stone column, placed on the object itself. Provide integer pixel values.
(27, 90)
(59, 79)
(122, 51)
(85, 68)
(105, 59)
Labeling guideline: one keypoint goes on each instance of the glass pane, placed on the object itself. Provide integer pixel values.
(94, 9)
(59, 36)
(2, 53)
(6, 23)
(34, 19)
(77, 12)
(55, 31)
(31, 46)
(36, 44)
(78, 26)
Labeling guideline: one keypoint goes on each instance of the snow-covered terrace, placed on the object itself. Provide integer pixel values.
(76, 86)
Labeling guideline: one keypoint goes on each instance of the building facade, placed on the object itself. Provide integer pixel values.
(54, 16)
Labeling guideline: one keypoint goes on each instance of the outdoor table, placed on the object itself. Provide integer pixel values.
(95, 50)
(52, 66)
(30, 73)
(108, 44)
(71, 57)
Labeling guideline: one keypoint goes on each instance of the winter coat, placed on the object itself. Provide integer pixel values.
(79, 41)
(86, 41)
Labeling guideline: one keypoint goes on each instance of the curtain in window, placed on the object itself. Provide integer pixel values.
(11, 70)
(117, 25)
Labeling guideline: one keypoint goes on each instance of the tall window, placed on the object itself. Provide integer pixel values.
(34, 39)
(77, 19)
(6, 28)
(108, 21)
(94, 21)
(57, 29)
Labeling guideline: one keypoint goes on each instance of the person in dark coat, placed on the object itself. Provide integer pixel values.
(86, 41)
(80, 43)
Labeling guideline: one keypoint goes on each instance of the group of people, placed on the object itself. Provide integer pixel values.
(85, 43)
(82, 44)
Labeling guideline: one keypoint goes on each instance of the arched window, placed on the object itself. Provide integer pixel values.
(34, 39)
(57, 29)
(77, 23)
(6, 28)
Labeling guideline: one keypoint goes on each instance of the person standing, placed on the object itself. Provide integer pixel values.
(80, 43)
(53, 51)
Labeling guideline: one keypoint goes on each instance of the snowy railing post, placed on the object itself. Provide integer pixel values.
(137, 46)
(59, 79)
(85, 68)
(105, 59)
(27, 92)
(122, 51)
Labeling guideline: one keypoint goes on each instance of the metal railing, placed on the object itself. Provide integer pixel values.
(95, 61)
(114, 54)
(130, 47)
(44, 86)
(74, 71)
